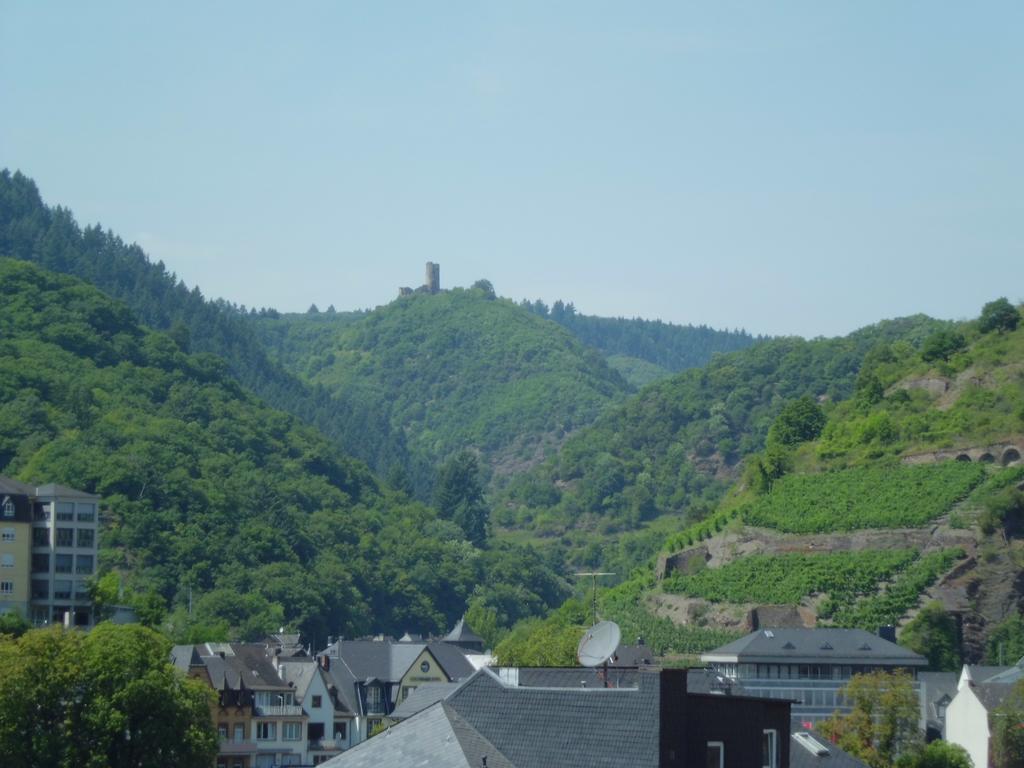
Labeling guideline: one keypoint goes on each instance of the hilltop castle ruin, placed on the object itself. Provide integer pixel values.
(433, 284)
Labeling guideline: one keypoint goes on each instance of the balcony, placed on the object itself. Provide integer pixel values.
(325, 745)
(279, 710)
(232, 747)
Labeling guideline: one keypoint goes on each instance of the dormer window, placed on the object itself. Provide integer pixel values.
(373, 698)
(8, 507)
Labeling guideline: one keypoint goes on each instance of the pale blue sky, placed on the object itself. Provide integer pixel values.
(785, 167)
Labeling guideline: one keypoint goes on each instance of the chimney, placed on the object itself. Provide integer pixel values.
(888, 632)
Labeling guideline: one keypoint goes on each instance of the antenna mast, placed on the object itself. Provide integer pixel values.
(594, 575)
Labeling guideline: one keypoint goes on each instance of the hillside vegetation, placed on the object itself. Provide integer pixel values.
(207, 490)
(673, 449)
(50, 237)
(669, 348)
(904, 485)
(456, 370)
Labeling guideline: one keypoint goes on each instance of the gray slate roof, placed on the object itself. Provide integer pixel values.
(800, 757)
(847, 646)
(585, 728)
(423, 697)
(991, 695)
(242, 665)
(463, 633)
(576, 677)
(437, 737)
(10, 485)
(53, 489)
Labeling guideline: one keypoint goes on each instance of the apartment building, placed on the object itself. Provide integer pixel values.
(48, 551)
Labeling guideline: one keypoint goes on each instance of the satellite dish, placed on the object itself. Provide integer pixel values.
(599, 643)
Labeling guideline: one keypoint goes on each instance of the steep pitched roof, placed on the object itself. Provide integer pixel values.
(438, 737)
(424, 696)
(463, 633)
(584, 728)
(452, 660)
(991, 695)
(848, 646)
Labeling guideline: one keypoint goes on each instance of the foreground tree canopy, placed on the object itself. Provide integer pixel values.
(106, 698)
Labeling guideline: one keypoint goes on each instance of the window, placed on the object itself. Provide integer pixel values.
(239, 732)
(770, 749)
(222, 731)
(317, 701)
(6, 561)
(716, 755)
(65, 511)
(291, 760)
(83, 564)
(315, 731)
(8, 507)
(41, 512)
(373, 698)
(40, 591)
(406, 690)
(340, 731)
(266, 731)
(40, 537)
(291, 731)
(65, 537)
(62, 563)
(81, 589)
(6, 587)
(62, 589)
(8, 534)
(86, 537)
(40, 563)
(86, 513)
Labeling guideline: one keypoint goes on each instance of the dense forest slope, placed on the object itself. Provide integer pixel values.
(644, 350)
(209, 491)
(901, 504)
(673, 449)
(50, 237)
(455, 370)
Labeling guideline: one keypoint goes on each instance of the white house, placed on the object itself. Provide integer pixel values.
(979, 691)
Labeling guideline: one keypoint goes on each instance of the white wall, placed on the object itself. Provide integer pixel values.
(967, 725)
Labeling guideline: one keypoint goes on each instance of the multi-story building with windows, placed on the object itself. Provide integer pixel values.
(48, 550)
(808, 666)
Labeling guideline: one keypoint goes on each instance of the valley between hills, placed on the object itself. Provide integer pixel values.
(455, 452)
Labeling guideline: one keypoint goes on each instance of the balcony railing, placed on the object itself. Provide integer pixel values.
(325, 745)
(279, 710)
(233, 747)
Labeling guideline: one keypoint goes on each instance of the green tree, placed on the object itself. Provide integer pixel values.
(938, 754)
(459, 497)
(13, 624)
(1007, 724)
(1006, 642)
(799, 421)
(942, 345)
(106, 698)
(933, 634)
(999, 315)
(883, 722)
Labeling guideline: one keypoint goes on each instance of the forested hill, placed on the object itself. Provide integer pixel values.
(625, 342)
(50, 237)
(455, 370)
(208, 490)
(896, 500)
(674, 448)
